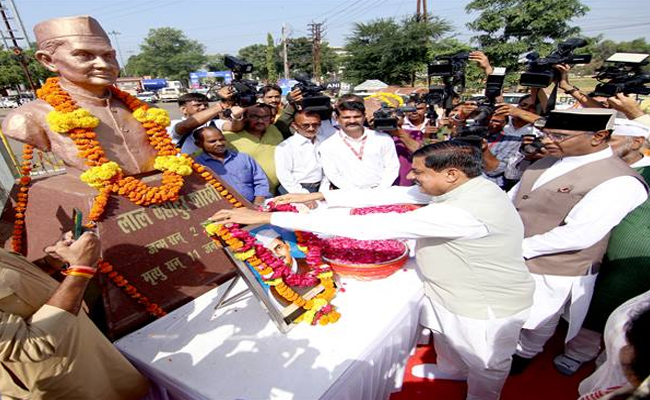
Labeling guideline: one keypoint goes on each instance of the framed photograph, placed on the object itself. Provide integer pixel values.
(283, 244)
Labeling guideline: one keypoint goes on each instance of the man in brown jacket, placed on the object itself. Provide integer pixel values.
(569, 202)
(48, 348)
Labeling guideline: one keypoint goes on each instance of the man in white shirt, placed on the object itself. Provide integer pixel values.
(468, 253)
(569, 202)
(358, 157)
(296, 159)
(197, 113)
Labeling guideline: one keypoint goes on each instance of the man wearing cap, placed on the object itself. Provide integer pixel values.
(569, 202)
(79, 51)
(625, 271)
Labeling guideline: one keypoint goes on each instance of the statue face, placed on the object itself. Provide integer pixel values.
(87, 62)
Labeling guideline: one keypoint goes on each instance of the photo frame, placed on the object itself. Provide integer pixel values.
(283, 244)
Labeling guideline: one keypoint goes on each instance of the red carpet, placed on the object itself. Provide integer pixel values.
(539, 382)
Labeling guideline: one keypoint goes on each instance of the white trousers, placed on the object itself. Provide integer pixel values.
(479, 349)
(550, 299)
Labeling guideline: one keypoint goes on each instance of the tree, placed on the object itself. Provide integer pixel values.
(392, 51)
(256, 55)
(215, 62)
(508, 28)
(167, 53)
(11, 73)
(271, 59)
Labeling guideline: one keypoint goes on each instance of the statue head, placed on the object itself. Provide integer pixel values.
(78, 50)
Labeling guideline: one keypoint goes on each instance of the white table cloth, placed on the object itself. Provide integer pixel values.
(238, 353)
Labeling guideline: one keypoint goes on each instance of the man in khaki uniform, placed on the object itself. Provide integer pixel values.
(48, 348)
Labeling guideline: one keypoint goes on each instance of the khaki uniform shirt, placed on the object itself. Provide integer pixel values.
(48, 353)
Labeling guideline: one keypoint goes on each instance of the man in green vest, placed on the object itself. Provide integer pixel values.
(468, 253)
(625, 272)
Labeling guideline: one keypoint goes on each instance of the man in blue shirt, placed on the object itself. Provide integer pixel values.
(239, 170)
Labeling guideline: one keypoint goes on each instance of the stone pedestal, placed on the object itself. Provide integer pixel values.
(161, 250)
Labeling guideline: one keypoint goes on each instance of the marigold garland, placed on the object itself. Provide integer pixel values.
(106, 176)
(274, 272)
(23, 194)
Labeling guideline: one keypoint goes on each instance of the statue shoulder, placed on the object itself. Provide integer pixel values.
(27, 123)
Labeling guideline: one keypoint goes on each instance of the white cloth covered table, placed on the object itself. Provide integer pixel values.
(238, 353)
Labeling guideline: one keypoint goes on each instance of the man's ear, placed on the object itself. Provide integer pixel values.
(45, 58)
(452, 175)
(600, 137)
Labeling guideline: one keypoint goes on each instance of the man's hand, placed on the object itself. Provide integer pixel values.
(236, 112)
(298, 198)
(563, 81)
(226, 92)
(626, 105)
(241, 216)
(295, 95)
(83, 251)
(482, 61)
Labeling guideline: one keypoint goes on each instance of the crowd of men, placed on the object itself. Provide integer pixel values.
(572, 185)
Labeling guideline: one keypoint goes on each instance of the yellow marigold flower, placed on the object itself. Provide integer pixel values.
(274, 282)
(212, 229)
(245, 255)
(180, 165)
(65, 122)
(319, 303)
(156, 115)
(96, 176)
(325, 275)
(308, 316)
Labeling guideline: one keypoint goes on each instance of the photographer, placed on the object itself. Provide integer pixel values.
(50, 349)
(574, 91)
(197, 112)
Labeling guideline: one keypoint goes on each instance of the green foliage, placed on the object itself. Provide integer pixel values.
(214, 62)
(11, 73)
(167, 53)
(508, 28)
(392, 51)
(299, 52)
(271, 59)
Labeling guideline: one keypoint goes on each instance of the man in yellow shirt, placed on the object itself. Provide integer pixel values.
(258, 139)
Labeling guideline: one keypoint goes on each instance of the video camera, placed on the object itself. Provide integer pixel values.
(385, 119)
(624, 74)
(485, 108)
(312, 97)
(540, 72)
(245, 90)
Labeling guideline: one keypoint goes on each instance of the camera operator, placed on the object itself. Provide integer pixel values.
(197, 113)
(272, 95)
(574, 91)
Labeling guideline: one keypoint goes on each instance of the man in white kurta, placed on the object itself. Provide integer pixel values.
(564, 260)
(355, 157)
(468, 254)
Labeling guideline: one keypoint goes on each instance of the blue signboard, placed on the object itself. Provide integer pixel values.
(195, 77)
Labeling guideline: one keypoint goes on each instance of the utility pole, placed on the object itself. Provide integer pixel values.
(284, 52)
(119, 52)
(14, 11)
(316, 30)
(18, 51)
(421, 13)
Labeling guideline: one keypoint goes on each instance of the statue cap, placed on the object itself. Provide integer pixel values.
(61, 28)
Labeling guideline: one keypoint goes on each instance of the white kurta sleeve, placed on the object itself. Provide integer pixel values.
(591, 218)
(376, 197)
(434, 220)
(283, 168)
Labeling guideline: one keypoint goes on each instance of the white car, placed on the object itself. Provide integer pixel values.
(149, 97)
(170, 94)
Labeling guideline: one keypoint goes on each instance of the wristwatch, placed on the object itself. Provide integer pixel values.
(571, 91)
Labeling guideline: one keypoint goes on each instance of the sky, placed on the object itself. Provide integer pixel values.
(225, 26)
